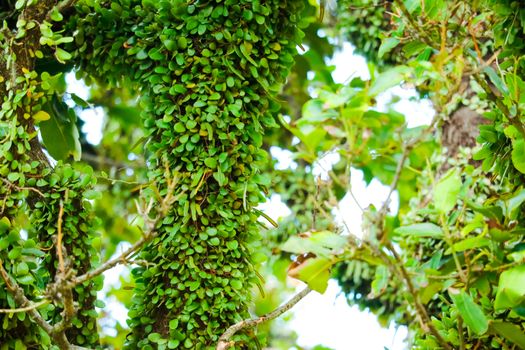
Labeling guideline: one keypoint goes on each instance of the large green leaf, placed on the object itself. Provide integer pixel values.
(446, 191)
(471, 312)
(321, 243)
(518, 155)
(387, 45)
(388, 79)
(496, 80)
(492, 212)
(511, 288)
(514, 203)
(381, 279)
(469, 243)
(315, 111)
(59, 133)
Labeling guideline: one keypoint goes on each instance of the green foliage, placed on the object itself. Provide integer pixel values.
(452, 254)
(32, 194)
(191, 90)
(31, 260)
(443, 223)
(59, 132)
(69, 188)
(205, 102)
(208, 75)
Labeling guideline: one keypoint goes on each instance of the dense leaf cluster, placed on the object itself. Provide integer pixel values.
(206, 83)
(37, 201)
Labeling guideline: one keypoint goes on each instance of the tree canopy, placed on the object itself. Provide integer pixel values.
(196, 94)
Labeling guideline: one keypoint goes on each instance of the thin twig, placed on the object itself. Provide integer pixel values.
(19, 188)
(121, 259)
(398, 267)
(24, 309)
(20, 298)
(316, 202)
(224, 340)
(420, 308)
(460, 332)
(61, 267)
(62, 288)
(395, 181)
(5, 277)
(407, 148)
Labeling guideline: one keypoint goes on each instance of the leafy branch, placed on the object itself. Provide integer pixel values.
(407, 148)
(499, 103)
(398, 267)
(65, 281)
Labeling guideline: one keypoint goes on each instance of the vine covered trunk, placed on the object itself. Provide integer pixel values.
(208, 74)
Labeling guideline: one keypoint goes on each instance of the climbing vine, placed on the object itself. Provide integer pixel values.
(206, 85)
(45, 234)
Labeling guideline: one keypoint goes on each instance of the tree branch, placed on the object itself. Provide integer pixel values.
(61, 267)
(25, 309)
(121, 259)
(18, 188)
(224, 340)
(20, 298)
(165, 205)
(420, 308)
(398, 267)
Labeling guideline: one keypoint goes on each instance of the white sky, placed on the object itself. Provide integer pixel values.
(318, 319)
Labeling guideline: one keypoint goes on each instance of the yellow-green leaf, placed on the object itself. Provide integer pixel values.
(446, 191)
(41, 116)
(511, 288)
